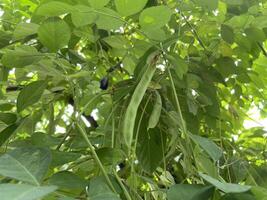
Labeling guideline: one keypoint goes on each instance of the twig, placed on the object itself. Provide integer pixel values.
(262, 49)
(65, 137)
(95, 156)
(193, 30)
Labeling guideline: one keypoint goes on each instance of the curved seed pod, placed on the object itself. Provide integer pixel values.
(131, 111)
(104, 83)
(155, 115)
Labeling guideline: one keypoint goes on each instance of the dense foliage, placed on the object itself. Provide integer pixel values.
(132, 99)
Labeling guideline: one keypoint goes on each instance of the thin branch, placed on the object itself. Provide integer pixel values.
(125, 191)
(193, 30)
(262, 49)
(95, 156)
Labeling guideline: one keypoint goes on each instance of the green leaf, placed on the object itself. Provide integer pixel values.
(234, 2)
(155, 33)
(25, 29)
(192, 105)
(207, 4)
(240, 21)
(189, 192)
(61, 157)
(226, 66)
(98, 3)
(26, 164)
(150, 149)
(99, 190)
(175, 119)
(21, 56)
(106, 196)
(255, 34)
(209, 146)
(117, 41)
(108, 19)
(238, 196)
(83, 15)
(30, 94)
(155, 17)
(204, 163)
(53, 8)
(7, 132)
(110, 156)
(54, 33)
(67, 180)
(259, 192)
(226, 187)
(5, 37)
(180, 66)
(155, 115)
(129, 7)
(40, 139)
(227, 33)
(24, 192)
(8, 118)
(144, 54)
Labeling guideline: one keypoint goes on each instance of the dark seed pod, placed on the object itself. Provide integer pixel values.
(104, 83)
(122, 165)
(91, 120)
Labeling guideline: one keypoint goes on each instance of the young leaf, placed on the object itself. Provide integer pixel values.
(67, 180)
(98, 3)
(117, 41)
(25, 29)
(8, 118)
(54, 33)
(227, 33)
(155, 17)
(39, 139)
(26, 164)
(209, 146)
(61, 157)
(259, 192)
(189, 192)
(7, 132)
(5, 38)
(53, 8)
(83, 15)
(150, 149)
(24, 192)
(155, 34)
(255, 34)
(128, 7)
(99, 190)
(21, 56)
(108, 19)
(180, 66)
(239, 196)
(226, 187)
(155, 115)
(30, 95)
(207, 4)
(110, 156)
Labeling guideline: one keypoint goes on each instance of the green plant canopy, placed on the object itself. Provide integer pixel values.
(133, 99)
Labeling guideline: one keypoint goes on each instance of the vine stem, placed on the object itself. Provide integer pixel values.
(193, 30)
(127, 195)
(96, 158)
(188, 151)
(177, 103)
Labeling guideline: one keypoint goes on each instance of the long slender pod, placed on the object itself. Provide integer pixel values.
(139, 92)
